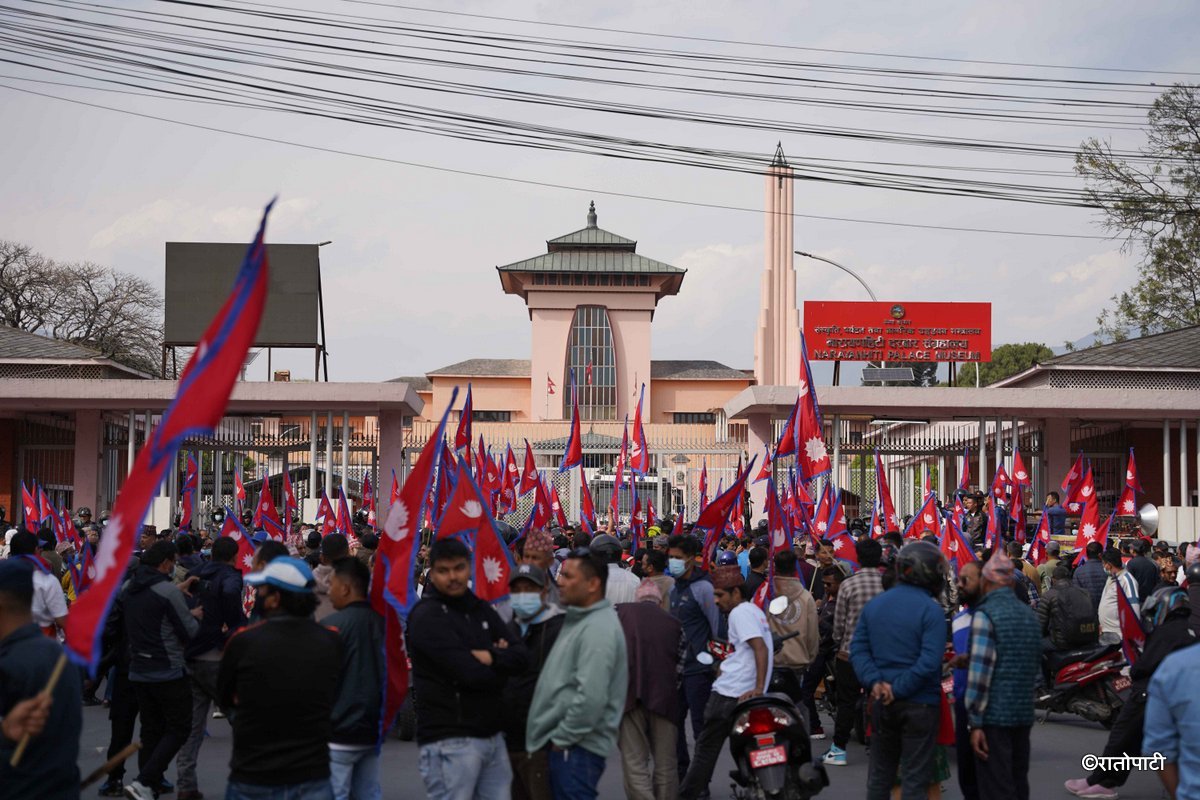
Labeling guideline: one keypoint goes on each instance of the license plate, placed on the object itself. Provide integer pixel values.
(768, 757)
(1121, 683)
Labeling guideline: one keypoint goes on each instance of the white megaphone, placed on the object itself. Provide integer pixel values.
(1147, 519)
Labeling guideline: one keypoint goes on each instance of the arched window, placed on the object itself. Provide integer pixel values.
(591, 354)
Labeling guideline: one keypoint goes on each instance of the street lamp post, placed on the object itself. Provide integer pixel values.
(837, 365)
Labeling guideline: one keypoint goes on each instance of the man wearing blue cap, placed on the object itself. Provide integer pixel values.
(281, 746)
(47, 770)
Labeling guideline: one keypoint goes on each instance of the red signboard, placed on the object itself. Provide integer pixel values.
(898, 332)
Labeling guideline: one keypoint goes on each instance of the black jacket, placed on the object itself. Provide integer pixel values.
(456, 695)
(356, 710)
(1173, 634)
(158, 626)
(220, 594)
(1145, 573)
(518, 690)
(1091, 577)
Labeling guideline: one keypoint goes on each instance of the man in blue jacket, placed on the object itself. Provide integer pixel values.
(693, 604)
(897, 654)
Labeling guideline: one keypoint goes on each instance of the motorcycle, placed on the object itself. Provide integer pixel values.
(1087, 682)
(769, 742)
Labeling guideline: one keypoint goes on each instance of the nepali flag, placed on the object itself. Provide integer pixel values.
(200, 402)
(529, 476)
(955, 546)
(1091, 530)
(245, 552)
(462, 436)
(622, 459)
(651, 515)
(927, 519)
(239, 489)
(588, 374)
(811, 454)
(59, 527)
(481, 457)
(185, 514)
(368, 501)
(777, 525)
(1133, 635)
(1018, 514)
(326, 515)
(1037, 548)
(46, 511)
(639, 453)
(1127, 504)
(703, 491)
(31, 512)
(876, 523)
(191, 482)
(556, 507)
(266, 516)
(1074, 476)
(393, 590)
(573, 453)
(549, 384)
(466, 515)
(830, 519)
(1020, 475)
(964, 478)
(1082, 493)
(290, 506)
(541, 513)
(1001, 483)
(395, 495)
(85, 574)
(993, 537)
(787, 437)
(891, 520)
(845, 550)
(587, 509)
(737, 523)
(715, 516)
(764, 471)
(677, 529)
(636, 523)
(1131, 475)
(72, 531)
(344, 525)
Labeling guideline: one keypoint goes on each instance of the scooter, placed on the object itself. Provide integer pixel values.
(1087, 682)
(769, 742)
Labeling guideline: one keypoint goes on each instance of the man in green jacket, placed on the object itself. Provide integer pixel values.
(580, 696)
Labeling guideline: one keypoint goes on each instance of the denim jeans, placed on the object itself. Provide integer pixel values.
(204, 691)
(902, 742)
(354, 774)
(575, 773)
(466, 768)
(718, 716)
(309, 790)
(694, 690)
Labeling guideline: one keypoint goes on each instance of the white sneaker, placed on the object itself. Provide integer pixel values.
(139, 791)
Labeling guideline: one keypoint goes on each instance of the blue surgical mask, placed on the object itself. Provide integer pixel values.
(676, 566)
(526, 605)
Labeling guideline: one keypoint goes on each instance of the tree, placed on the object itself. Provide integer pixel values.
(1007, 360)
(116, 313)
(1153, 203)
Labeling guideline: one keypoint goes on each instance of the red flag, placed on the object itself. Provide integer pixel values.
(926, 520)
(787, 438)
(239, 489)
(811, 455)
(715, 516)
(764, 471)
(992, 537)
(589, 373)
(890, 521)
(573, 453)
(87, 570)
(1131, 475)
(1020, 475)
(344, 524)
(1082, 492)
(462, 437)
(587, 510)
(1089, 527)
(185, 516)
(31, 513)
(704, 484)
(637, 522)
(964, 479)
(622, 460)
(844, 549)
(556, 507)
(60, 528)
(46, 510)
(955, 546)
(549, 384)
(1018, 514)
(541, 513)
(395, 495)
(677, 530)
(529, 476)
(491, 476)
(1037, 548)
(245, 552)
(1073, 476)
(200, 402)
(1133, 635)
(1001, 483)
(368, 500)
(290, 506)
(466, 513)
(1127, 504)
(72, 531)
(639, 453)
(737, 521)
(481, 457)
(266, 517)
(326, 515)
(191, 474)
(512, 475)
(830, 519)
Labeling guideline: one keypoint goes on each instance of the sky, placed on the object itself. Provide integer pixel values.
(409, 276)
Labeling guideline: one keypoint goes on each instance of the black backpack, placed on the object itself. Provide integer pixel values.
(1075, 618)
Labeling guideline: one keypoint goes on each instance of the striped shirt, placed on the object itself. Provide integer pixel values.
(855, 592)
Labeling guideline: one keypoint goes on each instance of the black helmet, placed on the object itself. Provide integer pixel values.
(1192, 573)
(1162, 604)
(921, 564)
(606, 547)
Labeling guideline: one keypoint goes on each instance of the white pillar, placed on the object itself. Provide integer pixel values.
(345, 448)
(328, 452)
(837, 450)
(130, 446)
(999, 442)
(1183, 463)
(982, 452)
(1166, 455)
(313, 494)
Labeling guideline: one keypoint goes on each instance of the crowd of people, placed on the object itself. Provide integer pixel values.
(597, 650)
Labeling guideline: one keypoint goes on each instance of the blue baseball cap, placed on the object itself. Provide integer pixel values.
(285, 573)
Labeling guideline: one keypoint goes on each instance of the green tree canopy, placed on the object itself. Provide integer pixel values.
(1007, 359)
(1153, 203)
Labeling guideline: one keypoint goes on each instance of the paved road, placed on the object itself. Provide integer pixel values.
(1057, 748)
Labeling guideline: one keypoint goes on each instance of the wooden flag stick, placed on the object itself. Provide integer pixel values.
(110, 765)
(46, 692)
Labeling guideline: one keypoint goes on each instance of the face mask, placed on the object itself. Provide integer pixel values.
(676, 566)
(526, 605)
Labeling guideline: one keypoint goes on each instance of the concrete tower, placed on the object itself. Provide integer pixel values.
(777, 343)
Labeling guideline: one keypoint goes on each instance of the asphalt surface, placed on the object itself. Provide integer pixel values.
(1058, 746)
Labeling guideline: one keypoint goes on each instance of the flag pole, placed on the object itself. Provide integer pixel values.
(15, 761)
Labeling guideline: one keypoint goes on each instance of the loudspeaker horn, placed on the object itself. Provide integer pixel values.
(1147, 519)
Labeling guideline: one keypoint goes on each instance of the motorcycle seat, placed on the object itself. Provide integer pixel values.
(1058, 660)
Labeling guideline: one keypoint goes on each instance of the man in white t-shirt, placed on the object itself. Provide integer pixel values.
(49, 603)
(745, 673)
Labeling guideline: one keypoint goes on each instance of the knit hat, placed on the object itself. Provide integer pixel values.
(648, 591)
(727, 576)
(539, 541)
(999, 568)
